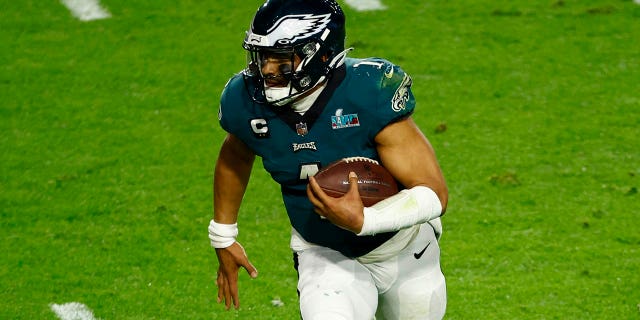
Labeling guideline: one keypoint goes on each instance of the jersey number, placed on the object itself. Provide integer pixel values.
(308, 170)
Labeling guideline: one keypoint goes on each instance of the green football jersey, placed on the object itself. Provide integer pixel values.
(360, 99)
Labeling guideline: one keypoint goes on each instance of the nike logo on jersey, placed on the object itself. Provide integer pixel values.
(419, 254)
(389, 73)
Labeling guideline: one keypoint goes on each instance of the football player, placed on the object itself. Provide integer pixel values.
(299, 105)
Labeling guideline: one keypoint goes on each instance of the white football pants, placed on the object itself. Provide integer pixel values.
(406, 285)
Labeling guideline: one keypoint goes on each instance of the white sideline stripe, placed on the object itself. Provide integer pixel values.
(72, 311)
(368, 5)
(86, 10)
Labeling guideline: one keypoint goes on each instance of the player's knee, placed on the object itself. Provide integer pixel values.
(327, 315)
(335, 305)
(418, 298)
(414, 295)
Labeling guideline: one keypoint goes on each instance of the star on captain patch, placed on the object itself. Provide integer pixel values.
(301, 129)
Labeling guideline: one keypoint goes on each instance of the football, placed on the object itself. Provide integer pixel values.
(375, 183)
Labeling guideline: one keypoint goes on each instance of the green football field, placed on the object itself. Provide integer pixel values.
(110, 135)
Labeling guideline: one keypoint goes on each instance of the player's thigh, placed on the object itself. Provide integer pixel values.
(333, 286)
(419, 291)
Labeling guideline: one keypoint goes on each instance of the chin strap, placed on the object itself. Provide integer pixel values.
(280, 96)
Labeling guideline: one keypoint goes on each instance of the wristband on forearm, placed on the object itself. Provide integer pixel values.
(222, 235)
(402, 210)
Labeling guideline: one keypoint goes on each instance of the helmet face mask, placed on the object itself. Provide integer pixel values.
(305, 37)
(284, 60)
(277, 85)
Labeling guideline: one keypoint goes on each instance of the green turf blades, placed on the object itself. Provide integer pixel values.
(110, 136)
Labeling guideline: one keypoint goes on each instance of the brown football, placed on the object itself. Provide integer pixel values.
(375, 183)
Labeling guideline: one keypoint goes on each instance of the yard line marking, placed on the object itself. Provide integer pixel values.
(369, 5)
(86, 10)
(72, 311)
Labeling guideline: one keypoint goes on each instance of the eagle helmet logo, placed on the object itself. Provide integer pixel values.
(290, 29)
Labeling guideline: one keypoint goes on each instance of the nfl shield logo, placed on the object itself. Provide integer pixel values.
(301, 129)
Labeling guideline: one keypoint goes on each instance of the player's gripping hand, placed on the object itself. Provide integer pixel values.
(345, 212)
(231, 259)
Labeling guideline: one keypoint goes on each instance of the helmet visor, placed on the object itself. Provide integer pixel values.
(275, 67)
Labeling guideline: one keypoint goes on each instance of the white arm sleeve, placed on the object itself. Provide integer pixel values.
(402, 210)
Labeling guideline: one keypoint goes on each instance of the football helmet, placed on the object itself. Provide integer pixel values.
(311, 31)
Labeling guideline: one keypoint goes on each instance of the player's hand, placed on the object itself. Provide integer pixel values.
(345, 212)
(231, 259)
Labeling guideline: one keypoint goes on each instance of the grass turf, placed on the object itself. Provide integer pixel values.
(109, 137)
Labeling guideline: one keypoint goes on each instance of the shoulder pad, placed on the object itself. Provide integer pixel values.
(392, 81)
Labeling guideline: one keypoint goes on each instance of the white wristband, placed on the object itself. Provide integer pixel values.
(222, 235)
(402, 210)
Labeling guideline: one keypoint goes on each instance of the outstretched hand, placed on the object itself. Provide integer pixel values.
(345, 212)
(231, 259)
